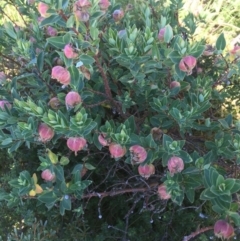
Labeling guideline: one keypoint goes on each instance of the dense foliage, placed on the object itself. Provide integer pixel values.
(113, 126)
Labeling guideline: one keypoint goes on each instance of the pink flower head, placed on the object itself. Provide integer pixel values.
(187, 64)
(116, 150)
(161, 34)
(45, 132)
(118, 15)
(69, 52)
(51, 31)
(61, 75)
(146, 171)
(42, 9)
(235, 50)
(138, 154)
(76, 144)
(103, 141)
(82, 16)
(175, 165)
(72, 99)
(3, 77)
(80, 4)
(47, 175)
(32, 39)
(162, 192)
(4, 103)
(104, 4)
(174, 84)
(223, 229)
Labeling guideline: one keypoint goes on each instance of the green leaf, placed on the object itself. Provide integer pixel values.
(190, 193)
(57, 42)
(221, 42)
(40, 61)
(89, 166)
(86, 59)
(77, 168)
(168, 34)
(50, 20)
(48, 197)
(65, 204)
(10, 30)
(59, 172)
(236, 186)
(235, 217)
(175, 57)
(207, 195)
(185, 156)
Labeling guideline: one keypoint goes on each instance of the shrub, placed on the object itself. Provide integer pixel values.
(119, 84)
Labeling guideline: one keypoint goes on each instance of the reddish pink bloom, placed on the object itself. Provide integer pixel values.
(47, 175)
(42, 9)
(61, 75)
(104, 4)
(223, 229)
(118, 15)
(82, 16)
(103, 141)
(51, 31)
(138, 154)
(174, 84)
(4, 103)
(146, 171)
(116, 150)
(162, 192)
(175, 165)
(45, 132)
(78, 5)
(76, 144)
(69, 52)
(161, 34)
(187, 64)
(72, 99)
(235, 50)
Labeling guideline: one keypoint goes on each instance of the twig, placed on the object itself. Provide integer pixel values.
(104, 76)
(64, 17)
(192, 235)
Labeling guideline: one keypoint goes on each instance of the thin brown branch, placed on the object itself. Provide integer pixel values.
(192, 235)
(65, 18)
(104, 76)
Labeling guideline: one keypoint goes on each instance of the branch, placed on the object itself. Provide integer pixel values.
(118, 192)
(192, 235)
(105, 79)
(64, 17)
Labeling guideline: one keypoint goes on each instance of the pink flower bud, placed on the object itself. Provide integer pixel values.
(104, 4)
(187, 64)
(42, 9)
(40, 19)
(118, 15)
(61, 75)
(72, 99)
(103, 141)
(174, 84)
(47, 175)
(80, 4)
(51, 31)
(54, 103)
(138, 154)
(116, 150)
(82, 16)
(175, 165)
(146, 171)
(161, 34)
(45, 132)
(4, 103)
(32, 39)
(235, 50)
(69, 52)
(76, 144)
(3, 77)
(222, 229)
(162, 192)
